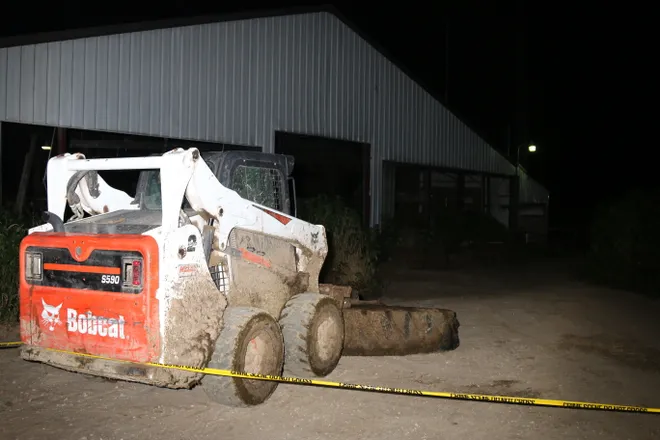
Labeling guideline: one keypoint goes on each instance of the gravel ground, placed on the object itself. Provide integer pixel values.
(541, 336)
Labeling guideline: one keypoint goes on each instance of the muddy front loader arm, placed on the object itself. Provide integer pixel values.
(210, 198)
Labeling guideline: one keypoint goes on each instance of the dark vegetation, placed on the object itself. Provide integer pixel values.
(624, 243)
(13, 228)
(353, 250)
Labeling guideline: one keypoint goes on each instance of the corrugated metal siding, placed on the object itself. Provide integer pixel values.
(238, 82)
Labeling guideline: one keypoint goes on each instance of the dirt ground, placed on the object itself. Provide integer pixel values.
(540, 336)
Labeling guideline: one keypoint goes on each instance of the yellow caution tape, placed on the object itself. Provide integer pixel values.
(10, 344)
(387, 390)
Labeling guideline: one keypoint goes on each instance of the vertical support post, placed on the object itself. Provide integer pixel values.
(460, 192)
(62, 142)
(428, 202)
(485, 199)
(27, 172)
(514, 201)
(366, 185)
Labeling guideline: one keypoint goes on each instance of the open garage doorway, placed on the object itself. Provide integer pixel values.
(329, 166)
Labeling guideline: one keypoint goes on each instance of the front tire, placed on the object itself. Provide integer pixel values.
(251, 342)
(313, 329)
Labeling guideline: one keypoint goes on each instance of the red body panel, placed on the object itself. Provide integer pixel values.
(89, 319)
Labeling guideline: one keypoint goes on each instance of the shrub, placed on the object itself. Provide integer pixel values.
(12, 230)
(352, 251)
(623, 242)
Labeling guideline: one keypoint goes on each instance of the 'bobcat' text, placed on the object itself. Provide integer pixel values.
(87, 323)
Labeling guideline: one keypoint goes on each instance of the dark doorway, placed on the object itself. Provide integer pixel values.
(329, 166)
(422, 193)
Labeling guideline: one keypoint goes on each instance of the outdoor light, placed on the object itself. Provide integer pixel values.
(530, 147)
(46, 147)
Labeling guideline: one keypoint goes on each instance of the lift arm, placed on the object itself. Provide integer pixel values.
(209, 197)
(74, 179)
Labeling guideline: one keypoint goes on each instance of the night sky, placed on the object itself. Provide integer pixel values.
(588, 68)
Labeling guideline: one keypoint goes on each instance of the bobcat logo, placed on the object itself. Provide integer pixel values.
(51, 315)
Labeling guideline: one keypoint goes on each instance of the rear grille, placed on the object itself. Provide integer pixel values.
(220, 277)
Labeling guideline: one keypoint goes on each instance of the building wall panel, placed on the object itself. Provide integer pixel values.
(238, 82)
(13, 86)
(4, 53)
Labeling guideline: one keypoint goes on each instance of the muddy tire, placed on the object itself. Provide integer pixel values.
(313, 329)
(251, 341)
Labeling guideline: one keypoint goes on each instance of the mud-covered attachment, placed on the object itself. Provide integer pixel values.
(344, 295)
(313, 329)
(383, 330)
(251, 341)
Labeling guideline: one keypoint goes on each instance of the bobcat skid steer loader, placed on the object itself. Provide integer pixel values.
(203, 267)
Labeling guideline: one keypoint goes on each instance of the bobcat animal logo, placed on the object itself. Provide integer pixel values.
(50, 316)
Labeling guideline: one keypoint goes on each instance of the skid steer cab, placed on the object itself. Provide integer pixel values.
(204, 266)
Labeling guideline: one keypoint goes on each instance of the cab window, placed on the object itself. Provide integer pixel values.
(258, 184)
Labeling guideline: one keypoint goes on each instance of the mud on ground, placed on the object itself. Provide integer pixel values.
(541, 336)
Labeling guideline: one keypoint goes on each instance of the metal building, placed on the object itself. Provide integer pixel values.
(240, 82)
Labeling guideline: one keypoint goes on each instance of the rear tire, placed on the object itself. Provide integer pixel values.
(313, 329)
(251, 342)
